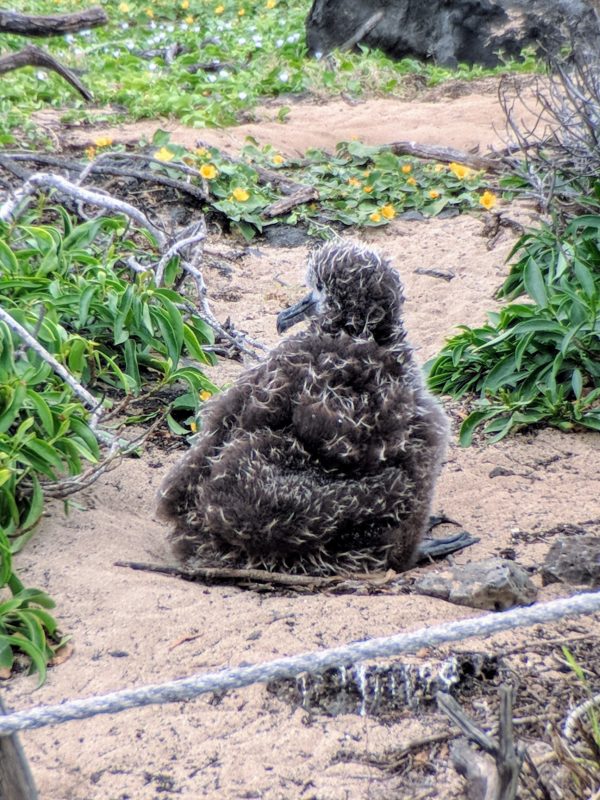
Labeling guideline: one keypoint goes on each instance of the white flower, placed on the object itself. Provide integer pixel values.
(241, 40)
(152, 24)
(284, 77)
(223, 73)
(152, 66)
(69, 38)
(170, 28)
(124, 26)
(41, 75)
(211, 78)
(318, 55)
(279, 43)
(242, 95)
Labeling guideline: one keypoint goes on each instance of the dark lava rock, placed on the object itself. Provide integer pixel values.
(461, 31)
(494, 583)
(573, 559)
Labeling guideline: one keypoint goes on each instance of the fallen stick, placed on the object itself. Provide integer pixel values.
(488, 779)
(445, 154)
(304, 195)
(100, 168)
(33, 56)
(51, 24)
(260, 575)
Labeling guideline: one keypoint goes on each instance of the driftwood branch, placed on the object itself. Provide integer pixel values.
(44, 180)
(51, 25)
(86, 397)
(304, 195)
(494, 778)
(236, 575)
(245, 577)
(103, 166)
(33, 56)
(445, 154)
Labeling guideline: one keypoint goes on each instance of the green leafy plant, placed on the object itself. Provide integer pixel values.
(537, 361)
(26, 625)
(358, 185)
(251, 50)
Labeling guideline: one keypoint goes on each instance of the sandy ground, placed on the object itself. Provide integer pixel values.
(132, 628)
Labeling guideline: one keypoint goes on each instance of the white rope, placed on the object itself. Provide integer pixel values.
(187, 688)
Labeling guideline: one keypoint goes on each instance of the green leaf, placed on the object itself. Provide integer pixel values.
(534, 283)
(585, 278)
(577, 382)
(8, 260)
(42, 409)
(131, 363)
(474, 419)
(503, 373)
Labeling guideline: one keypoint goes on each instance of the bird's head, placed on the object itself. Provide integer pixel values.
(352, 289)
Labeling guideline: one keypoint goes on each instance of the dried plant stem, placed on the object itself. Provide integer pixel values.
(86, 397)
(12, 207)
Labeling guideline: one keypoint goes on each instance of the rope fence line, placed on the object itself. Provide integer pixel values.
(238, 677)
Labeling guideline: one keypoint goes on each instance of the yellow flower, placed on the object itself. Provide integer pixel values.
(278, 159)
(149, 13)
(90, 152)
(366, 173)
(433, 194)
(388, 211)
(439, 168)
(406, 168)
(204, 395)
(354, 182)
(271, 3)
(219, 9)
(375, 216)
(367, 189)
(241, 12)
(241, 195)
(488, 200)
(193, 427)
(208, 171)
(124, 8)
(189, 20)
(201, 151)
(103, 141)
(459, 170)
(185, 4)
(164, 155)
(411, 181)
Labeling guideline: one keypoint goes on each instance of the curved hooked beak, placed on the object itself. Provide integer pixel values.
(290, 316)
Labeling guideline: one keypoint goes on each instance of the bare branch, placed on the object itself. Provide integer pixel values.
(33, 56)
(51, 25)
(11, 209)
(86, 397)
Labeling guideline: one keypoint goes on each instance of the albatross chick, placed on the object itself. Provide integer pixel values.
(324, 457)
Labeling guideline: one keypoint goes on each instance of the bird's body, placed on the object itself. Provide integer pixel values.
(324, 457)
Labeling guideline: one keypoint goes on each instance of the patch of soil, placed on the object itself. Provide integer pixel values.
(134, 628)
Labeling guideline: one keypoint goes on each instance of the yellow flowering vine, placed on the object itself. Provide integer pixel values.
(388, 211)
(488, 200)
(241, 195)
(460, 170)
(208, 171)
(164, 154)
